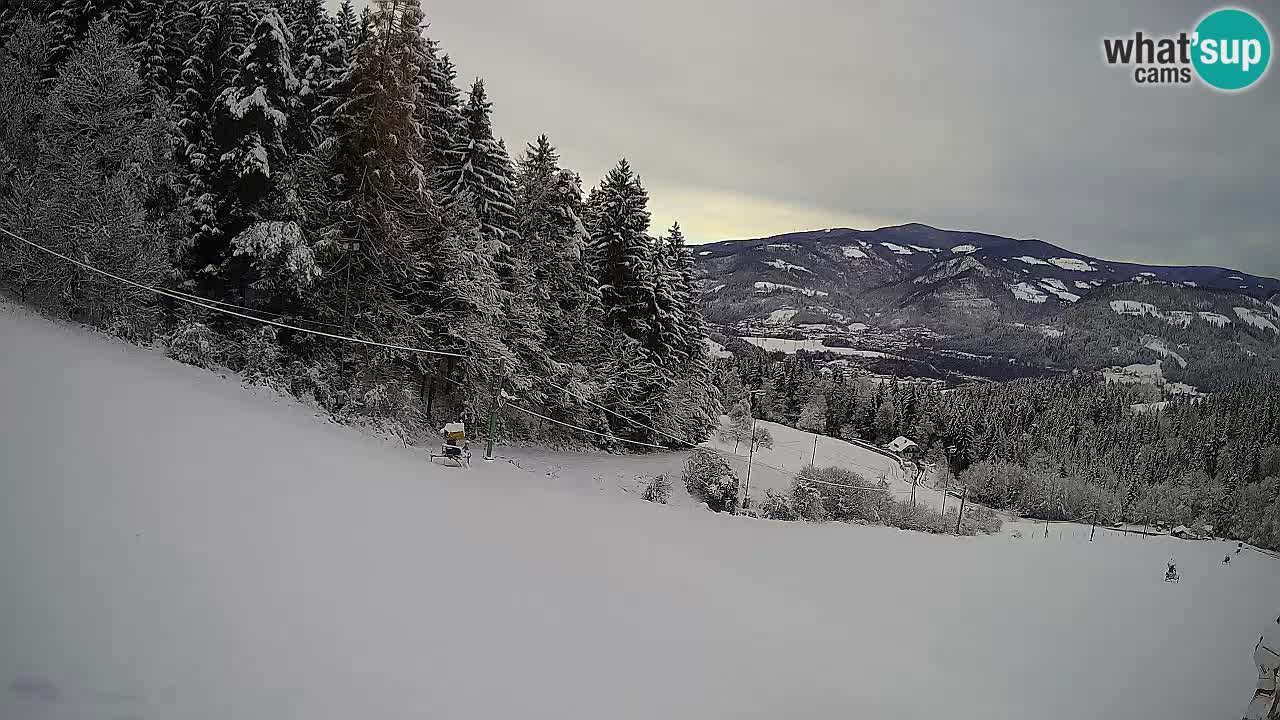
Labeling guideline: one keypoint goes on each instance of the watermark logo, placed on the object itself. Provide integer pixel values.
(1228, 50)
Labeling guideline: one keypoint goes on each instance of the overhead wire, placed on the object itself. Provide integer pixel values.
(224, 308)
(182, 297)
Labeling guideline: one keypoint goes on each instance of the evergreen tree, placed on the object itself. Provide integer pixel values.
(212, 64)
(69, 20)
(347, 27)
(89, 199)
(319, 58)
(441, 112)
(483, 171)
(621, 252)
(161, 47)
(250, 124)
(367, 197)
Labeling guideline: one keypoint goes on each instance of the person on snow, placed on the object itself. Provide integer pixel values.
(1266, 655)
(1171, 571)
(1239, 547)
(1226, 559)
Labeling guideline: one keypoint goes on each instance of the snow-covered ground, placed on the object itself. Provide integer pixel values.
(173, 545)
(775, 468)
(790, 347)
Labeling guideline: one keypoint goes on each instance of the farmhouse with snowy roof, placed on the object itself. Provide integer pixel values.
(903, 446)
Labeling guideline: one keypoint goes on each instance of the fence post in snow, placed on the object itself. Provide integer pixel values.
(960, 517)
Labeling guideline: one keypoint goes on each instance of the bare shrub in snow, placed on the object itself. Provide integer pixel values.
(920, 517)
(193, 343)
(658, 490)
(777, 506)
(257, 354)
(709, 479)
(761, 437)
(842, 494)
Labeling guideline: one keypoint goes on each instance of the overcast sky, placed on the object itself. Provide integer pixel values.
(752, 118)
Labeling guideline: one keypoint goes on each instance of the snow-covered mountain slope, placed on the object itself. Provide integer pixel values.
(958, 284)
(173, 545)
(854, 261)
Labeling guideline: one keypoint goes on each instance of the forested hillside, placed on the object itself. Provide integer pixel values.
(327, 172)
(1061, 448)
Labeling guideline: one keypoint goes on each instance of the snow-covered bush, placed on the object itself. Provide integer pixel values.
(777, 506)
(980, 520)
(658, 490)
(194, 343)
(257, 354)
(280, 257)
(709, 479)
(842, 494)
(919, 517)
(313, 379)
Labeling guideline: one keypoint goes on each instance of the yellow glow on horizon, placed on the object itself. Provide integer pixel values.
(712, 215)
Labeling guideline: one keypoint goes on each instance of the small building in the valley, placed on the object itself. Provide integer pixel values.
(903, 447)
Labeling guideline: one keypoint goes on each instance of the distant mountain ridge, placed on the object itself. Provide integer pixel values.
(929, 244)
(875, 297)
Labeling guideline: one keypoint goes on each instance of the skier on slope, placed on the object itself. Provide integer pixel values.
(1266, 655)
(1171, 572)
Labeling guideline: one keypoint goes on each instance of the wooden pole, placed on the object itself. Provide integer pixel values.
(751, 452)
(813, 459)
(1095, 524)
(963, 498)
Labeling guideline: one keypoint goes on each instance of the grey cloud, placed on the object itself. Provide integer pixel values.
(996, 115)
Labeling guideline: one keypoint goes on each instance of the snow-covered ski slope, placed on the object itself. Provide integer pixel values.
(775, 468)
(173, 545)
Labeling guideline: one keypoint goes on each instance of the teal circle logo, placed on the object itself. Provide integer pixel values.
(1231, 49)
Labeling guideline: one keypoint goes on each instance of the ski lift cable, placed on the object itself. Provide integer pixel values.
(269, 314)
(181, 297)
(560, 422)
(585, 430)
(213, 306)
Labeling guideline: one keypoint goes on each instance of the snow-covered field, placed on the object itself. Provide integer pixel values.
(173, 545)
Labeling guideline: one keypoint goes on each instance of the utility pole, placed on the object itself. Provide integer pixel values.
(963, 498)
(493, 417)
(1095, 524)
(946, 486)
(346, 292)
(751, 452)
(1048, 505)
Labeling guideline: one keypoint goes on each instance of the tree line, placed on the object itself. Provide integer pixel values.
(326, 170)
(1063, 448)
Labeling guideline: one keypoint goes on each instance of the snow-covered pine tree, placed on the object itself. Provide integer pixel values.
(553, 248)
(319, 58)
(483, 171)
(666, 322)
(347, 26)
(249, 127)
(69, 20)
(367, 196)
(24, 59)
(223, 28)
(621, 252)
(364, 29)
(441, 110)
(698, 403)
(88, 199)
(161, 46)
